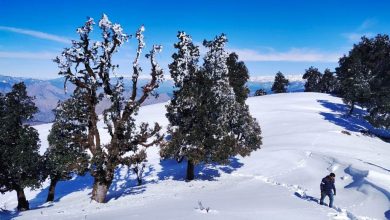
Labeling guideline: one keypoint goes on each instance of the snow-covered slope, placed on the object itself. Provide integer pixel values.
(305, 136)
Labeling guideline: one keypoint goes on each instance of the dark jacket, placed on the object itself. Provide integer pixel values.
(327, 184)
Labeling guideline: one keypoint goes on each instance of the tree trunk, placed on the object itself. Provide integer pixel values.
(99, 191)
(52, 188)
(190, 170)
(139, 171)
(23, 204)
(352, 108)
(139, 181)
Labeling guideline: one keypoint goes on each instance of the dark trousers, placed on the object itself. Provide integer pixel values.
(330, 195)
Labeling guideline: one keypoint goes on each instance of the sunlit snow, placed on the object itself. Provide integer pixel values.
(304, 139)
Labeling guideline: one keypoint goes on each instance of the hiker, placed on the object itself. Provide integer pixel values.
(327, 185)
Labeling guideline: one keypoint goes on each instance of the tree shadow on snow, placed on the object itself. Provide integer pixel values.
(7, 214)
(387, 214)
(123, 183)
(63, 188)
(171, 169)
(359, 179)
(11, 214)
(354, 122)
(78, 183)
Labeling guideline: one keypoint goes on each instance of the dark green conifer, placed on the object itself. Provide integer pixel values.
(280, 84)
(328, 83)
(21, 164)
(365, 79)
(66, 154)
(260, 92)
(207, 123)
(313, 79)
(238, 76)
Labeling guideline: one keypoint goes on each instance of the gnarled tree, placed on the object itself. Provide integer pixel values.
(88, 65)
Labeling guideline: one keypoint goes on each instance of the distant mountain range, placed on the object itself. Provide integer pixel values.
(48, 92)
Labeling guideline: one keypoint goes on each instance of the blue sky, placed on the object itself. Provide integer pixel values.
(269, 36)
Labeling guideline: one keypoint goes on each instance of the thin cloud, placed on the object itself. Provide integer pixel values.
(28, 55)
(360, 31)
(354, 37)
(36, 34)
(293, 55)
(368, 23)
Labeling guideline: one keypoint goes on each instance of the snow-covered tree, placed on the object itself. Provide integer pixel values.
(20, 162)
(313, 79)
(183, 111)
(328, 82)
(260, 92)
(230, 129)
(280, 83)
(66, 154)
(238, 76)
(89, 66)
(207, 124)
(379, 58)
(364, 78)
(354, 85)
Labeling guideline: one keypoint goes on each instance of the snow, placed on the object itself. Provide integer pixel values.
(104, 22)
(301, 145)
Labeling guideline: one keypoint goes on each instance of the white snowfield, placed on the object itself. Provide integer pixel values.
(305, 137)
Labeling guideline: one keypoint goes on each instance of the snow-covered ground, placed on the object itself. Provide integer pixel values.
(305, 136)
